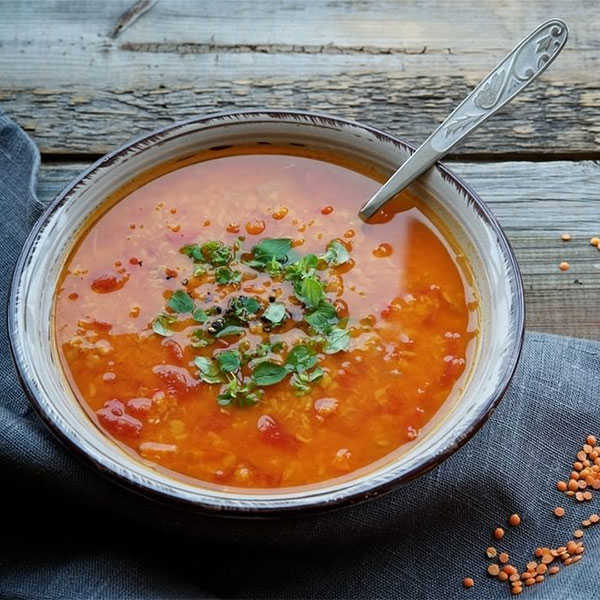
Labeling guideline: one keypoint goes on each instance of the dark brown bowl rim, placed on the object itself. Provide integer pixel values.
(362, 494)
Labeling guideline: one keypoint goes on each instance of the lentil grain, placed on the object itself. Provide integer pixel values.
(493, 570)
(514, 520)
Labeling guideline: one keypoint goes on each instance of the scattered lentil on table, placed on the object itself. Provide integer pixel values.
(586, 473)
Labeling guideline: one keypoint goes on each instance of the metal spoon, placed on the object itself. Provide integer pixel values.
(519, 68)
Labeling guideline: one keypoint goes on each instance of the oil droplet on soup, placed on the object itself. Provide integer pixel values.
(332, 362)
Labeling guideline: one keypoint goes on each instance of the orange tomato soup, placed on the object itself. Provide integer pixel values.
(234, 321)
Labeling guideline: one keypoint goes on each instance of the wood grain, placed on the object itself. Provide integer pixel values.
(535, 202)
(79, 84)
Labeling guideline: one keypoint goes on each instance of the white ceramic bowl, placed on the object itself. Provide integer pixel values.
(474, 228)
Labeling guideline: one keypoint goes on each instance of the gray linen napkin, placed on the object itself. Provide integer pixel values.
(69, 533)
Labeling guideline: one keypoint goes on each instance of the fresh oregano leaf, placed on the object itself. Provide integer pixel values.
(208, 370)
(323, 318)
(230, 330)
(181, 302)
(275, 313)
(310, 291)
(336, 340)
(225, 275)
(199, 315)
(161, 323)
(268, 373)
(336, 254)
(301, 358)
(229, 361)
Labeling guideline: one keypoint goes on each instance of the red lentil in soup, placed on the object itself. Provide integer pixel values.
(234, 321)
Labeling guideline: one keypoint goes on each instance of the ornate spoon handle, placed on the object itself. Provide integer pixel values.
(517, 70)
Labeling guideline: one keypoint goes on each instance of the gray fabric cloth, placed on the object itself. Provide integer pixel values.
(68, 533)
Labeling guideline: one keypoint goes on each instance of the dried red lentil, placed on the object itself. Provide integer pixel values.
(586, 472)
(514, 520)
(468, 582)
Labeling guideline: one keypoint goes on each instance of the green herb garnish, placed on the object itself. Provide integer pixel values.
(323, 317)
(181, 302)
(336, 254)
(217, 253)
(242, 394)
(244, 370)
(230, 330)
(336, 340)
(229, 361)
(208, 370)
(275, 313)
(301, 381)
(224, 275)
(268, 373)
(199, 315)
(310, 291)
(161, 323)
(301, 358)
(243, 307)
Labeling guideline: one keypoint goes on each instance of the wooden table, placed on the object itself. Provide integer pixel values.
(83, 76)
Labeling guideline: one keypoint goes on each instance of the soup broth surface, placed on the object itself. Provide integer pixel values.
(289, 403)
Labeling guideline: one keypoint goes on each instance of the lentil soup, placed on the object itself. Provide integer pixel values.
(234, 321)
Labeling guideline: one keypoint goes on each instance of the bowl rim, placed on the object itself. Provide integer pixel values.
(348, 496)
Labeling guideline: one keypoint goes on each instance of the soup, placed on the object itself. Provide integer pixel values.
(232, 320)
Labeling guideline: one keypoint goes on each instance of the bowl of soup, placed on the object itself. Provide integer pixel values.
(203, 317)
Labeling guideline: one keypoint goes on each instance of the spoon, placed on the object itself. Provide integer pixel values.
(519, 68)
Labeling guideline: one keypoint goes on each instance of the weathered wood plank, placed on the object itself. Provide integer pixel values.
(77, 89)
(371, 26)
(550, 119)
(535, 202)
